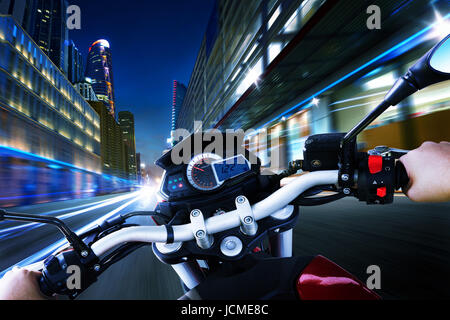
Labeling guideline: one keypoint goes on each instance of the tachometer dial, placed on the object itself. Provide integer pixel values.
(200, 172)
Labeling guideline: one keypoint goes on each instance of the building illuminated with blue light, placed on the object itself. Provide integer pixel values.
(40, 111)
(291, 68)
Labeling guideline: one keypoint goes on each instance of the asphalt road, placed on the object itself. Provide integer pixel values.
(409, 242)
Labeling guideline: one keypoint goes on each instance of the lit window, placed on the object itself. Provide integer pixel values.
(274, 17)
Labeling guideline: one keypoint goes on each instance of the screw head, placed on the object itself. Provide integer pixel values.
(248, 220)
(195, 213)
(97, 268)
(347, 191)
(240, 200)
(345, 177)
(200, 234)
(84, 254)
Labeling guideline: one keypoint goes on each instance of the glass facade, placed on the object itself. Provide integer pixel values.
(289, 69)
(126, 122)
(231, 58)
(41, 112)
(179, 92)
(99, 70)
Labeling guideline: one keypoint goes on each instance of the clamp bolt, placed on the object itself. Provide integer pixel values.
(347, 191)
(97, 268)
(195, 213)
(248, 220)
(240, 200)
(345, 177)
(200, 234)
(84, 253)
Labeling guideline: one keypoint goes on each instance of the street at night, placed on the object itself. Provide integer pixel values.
(224, 150)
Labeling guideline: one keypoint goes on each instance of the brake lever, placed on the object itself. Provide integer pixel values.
(385, 151)
(75, 241)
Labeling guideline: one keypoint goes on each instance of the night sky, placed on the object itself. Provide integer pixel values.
(152, 43)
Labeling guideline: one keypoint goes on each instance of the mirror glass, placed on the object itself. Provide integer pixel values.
(440, 61)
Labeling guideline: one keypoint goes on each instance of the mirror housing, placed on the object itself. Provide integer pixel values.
(419, 76)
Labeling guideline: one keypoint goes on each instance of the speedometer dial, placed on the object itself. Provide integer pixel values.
(200, 173)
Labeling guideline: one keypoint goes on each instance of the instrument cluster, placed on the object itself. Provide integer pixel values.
(205, 172)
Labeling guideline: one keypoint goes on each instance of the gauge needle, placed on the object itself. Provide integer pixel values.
(199, 169)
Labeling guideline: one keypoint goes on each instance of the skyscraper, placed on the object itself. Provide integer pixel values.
(20, 10)
(99, 69)
(138, 168)
(126, 122)
(179, 92)
(113, 153)
(76, 66)
(45, 22)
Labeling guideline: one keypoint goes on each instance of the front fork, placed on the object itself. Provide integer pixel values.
(192, 274)
(281, 244)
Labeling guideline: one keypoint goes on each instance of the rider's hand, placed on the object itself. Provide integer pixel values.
(20, 284)
(428, 168)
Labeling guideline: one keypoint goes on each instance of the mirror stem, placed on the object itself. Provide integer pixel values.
(366, 121)
(403, 88)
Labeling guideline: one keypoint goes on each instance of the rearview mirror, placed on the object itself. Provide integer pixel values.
(432, 68)
(440, 57)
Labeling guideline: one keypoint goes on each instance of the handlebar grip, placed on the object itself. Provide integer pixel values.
(44, 287)
(401, 176)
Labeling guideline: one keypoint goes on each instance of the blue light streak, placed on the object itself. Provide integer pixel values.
(376, 59)
(32, 156)
(42, 254)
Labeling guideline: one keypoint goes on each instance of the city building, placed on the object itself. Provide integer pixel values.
(99, 69)
(76, 65)
(113, 149)
(86, 90)
(291, 68)
(45, 22)
(139, 167)
(126, 122)
(179, 92)
(41, 113)
(20, 10)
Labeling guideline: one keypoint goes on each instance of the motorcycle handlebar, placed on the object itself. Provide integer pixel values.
(44, 287)
(401, 176)
(276, 202)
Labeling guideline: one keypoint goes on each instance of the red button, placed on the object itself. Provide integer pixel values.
(375, 164)
(381, 192)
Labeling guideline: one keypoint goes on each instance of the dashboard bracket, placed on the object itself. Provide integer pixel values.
(203, 239)
(249, 226)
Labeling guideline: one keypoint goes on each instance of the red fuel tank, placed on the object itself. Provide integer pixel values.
(325, 280)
